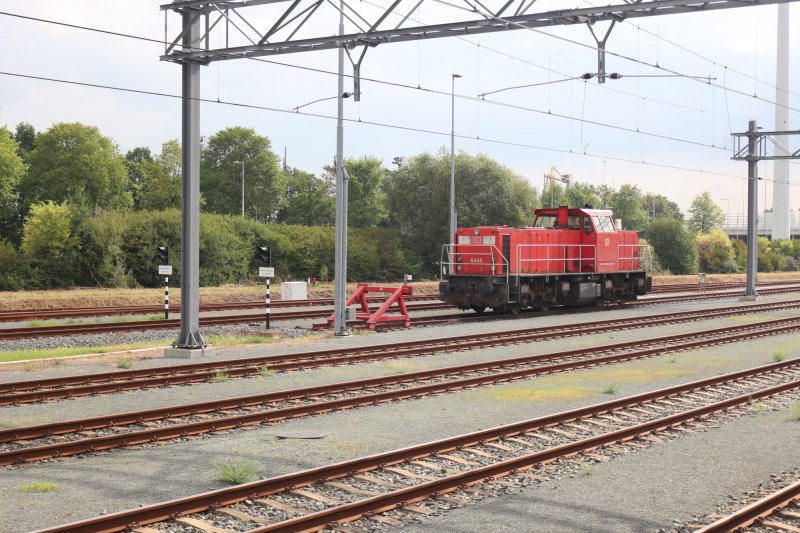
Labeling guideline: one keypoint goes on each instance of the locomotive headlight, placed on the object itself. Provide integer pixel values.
(459, 259)
(459, 267)
(476, 231)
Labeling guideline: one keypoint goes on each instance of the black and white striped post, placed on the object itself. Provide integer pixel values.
(164, 269)
(267, 282)
(264, 254)
(166, 297)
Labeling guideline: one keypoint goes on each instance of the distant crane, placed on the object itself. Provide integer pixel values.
(555, 175)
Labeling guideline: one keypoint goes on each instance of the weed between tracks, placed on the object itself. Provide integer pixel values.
(221, 376)
(237, 472)
(38, 486)
(794, 411)
(125, 364)
(778, 354)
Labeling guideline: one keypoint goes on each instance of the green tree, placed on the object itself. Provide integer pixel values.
(553, 195)
(221, 175)
(366, 200)
(659, 206)
(50, 244)
(673, 245)
(704, 214)
(715, 252)
(487, 193)
(580, 194)
(135, 160)
(12, 169)
(75, 163)
(627, 205)
(25, 135)
(308, 201)
(161, 180)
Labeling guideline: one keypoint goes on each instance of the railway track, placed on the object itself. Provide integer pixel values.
(105, 327)
(61, 439)
(684, 287)
(382, 489)
(118, 381)
(778, 511)
(82, 329)
(18, 315)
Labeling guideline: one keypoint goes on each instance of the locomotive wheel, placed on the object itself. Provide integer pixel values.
(479, 309)
(543, 304)
(500, 310)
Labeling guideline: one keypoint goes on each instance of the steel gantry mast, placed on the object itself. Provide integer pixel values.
(280, 27)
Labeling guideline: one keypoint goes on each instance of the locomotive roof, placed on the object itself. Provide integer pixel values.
(575, 210)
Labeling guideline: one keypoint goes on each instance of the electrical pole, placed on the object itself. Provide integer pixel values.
(752, 211)
(189, 339)
(340, 260)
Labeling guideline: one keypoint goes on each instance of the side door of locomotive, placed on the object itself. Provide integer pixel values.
(588, 244)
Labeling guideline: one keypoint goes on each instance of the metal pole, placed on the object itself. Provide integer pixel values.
(268, 302)
(340, 267)
(752, 211)
(242, 189)
(189, 336)
(166, 297)
(781, 219)
(452, 238)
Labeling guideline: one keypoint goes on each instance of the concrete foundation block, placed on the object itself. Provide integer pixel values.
(188, 353)
(748, 298)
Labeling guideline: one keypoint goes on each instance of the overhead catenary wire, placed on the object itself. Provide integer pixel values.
(379, 124)
(120, 34)
(372, 80)
(401, 85)
(490, 16)
(699, 55)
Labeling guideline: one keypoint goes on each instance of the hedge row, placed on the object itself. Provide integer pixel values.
(117, 249)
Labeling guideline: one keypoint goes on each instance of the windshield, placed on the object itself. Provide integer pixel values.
(604, 224)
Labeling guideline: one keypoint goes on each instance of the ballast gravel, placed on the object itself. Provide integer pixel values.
(122, 479)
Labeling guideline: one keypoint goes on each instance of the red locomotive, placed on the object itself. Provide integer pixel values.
(570, 257)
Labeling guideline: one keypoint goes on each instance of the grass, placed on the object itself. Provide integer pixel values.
(794, 411)
(221, 376)
(672, 359)
(38, 486)
(22, 355)
(235, 340)
(778, 354)
(588, 469)
(266, 372)
(125, 364)
(611, 389)
(237, 472)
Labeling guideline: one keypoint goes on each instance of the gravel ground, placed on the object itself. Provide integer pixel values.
(125, 478)
(649, 490)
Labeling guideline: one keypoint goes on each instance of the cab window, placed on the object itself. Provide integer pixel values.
(545, 221)
(603, 224)
(587, 224)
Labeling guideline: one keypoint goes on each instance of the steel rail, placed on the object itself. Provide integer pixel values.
(75, 447)
(681, 287)
(27, 332)
(755, 511)
(221, 497)
(133, 325)
(108, 382)
(31, 314)
(385, 502)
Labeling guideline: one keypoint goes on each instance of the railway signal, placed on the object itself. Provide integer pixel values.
(264, 254)
(163, 255)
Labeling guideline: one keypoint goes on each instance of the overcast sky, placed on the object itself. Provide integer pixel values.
(527, 129)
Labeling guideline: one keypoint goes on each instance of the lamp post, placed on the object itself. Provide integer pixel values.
(242, 163)
(453, 157)
(727, 212)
